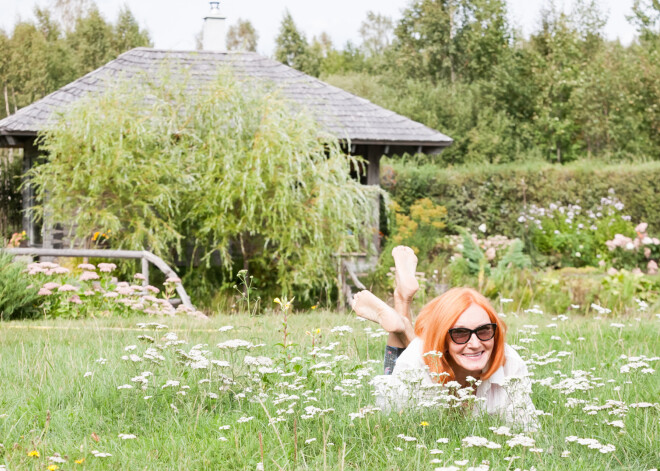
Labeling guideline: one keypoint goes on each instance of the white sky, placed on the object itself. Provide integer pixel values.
(173, 24)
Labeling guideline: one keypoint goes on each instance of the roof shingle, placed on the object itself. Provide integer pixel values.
(343, 114)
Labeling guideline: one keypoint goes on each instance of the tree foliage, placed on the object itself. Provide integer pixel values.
(230, 169)
(376, 32)
(62, 44)
(292, 48)
(242, 36)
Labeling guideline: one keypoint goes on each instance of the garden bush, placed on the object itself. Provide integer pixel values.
(54, 291)
(571, 236)
(498, 195)
(18, 293)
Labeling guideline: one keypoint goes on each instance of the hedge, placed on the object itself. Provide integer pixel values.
(496, 195)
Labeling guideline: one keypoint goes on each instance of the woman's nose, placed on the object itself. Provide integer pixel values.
(474, 341)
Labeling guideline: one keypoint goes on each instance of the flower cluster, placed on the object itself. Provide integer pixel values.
(94, 291)
(644, 247)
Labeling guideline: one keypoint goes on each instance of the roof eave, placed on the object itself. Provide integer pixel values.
(398, 147)
(15, 138)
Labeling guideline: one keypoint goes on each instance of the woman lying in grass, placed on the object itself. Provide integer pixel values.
(457, 336)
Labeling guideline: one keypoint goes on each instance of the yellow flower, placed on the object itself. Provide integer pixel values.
(277, 301)
(314, 307)
(424, 424)
(53, 467)
(80, 461)
(317, 331)
(96, 235)
(34, 453)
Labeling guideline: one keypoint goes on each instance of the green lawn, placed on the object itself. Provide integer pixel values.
(49, 405)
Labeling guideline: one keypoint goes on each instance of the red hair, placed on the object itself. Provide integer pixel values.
(440, 314)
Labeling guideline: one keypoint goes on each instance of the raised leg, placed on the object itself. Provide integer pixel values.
(405, 265)
(368, 306)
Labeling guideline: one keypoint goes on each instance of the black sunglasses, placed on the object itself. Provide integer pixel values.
(462, 335)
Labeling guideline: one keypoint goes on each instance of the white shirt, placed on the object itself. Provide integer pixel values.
(506, 392)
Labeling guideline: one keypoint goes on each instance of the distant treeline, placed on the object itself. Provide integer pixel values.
(61, 45)
(562, 94)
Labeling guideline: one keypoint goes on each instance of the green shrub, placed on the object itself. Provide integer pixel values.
(18, 294)
(498, 195)
(572, 236)
(54, 291)
(421, 229)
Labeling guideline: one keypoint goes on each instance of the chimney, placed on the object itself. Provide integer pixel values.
(215, 30)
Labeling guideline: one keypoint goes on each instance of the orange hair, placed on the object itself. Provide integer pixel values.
(440, 315)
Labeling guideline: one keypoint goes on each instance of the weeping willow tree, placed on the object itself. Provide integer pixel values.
(230, 168)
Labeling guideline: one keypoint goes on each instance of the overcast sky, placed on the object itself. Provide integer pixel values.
(173, 24)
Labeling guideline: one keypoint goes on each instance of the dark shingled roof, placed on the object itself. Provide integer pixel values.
(345, 115)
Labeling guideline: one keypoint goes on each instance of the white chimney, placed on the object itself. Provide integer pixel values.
(215, 30)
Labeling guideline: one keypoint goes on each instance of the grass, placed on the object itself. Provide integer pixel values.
(48, 405)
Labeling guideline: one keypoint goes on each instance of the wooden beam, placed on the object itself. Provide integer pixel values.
(374, 153)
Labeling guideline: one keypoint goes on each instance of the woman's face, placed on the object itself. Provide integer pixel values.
(472, 357)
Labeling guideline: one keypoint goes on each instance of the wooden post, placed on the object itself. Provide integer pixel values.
(145, 271)
(341, 305)
(374, 154)
(30, 155)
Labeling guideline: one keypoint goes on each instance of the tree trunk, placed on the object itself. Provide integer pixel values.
(558, 154)
(7, 101)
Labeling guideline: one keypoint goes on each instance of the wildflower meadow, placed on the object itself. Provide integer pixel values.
(295, 390)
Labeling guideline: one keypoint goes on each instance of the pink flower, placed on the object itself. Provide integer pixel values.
(139, 276)
(490, 254)
(86, 266)
(51, 285)
(153, 289)
(61, 270)
(641, 227)
(89, 275)
(652, 267)
(107, 267)
(75, 299)
(173, 279)
(44, 292)
(67, 287)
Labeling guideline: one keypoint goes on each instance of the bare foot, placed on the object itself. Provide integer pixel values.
(368, 306)
(405, 263)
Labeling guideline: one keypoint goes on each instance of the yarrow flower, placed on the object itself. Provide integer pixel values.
(100, 454)
(234, 344)
(107, 267)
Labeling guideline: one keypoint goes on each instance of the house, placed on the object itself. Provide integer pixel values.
(363, 128)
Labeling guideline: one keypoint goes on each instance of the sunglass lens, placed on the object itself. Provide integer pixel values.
(486, 332)
(460, 335)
